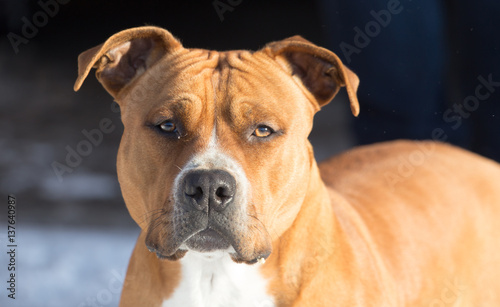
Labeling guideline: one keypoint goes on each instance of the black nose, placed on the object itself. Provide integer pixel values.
(208, 189)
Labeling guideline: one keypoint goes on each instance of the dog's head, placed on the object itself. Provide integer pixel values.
(214, 154)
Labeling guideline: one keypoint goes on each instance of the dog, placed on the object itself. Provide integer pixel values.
(216, 168)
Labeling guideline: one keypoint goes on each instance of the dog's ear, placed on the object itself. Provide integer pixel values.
(320, 70)
(125, 56)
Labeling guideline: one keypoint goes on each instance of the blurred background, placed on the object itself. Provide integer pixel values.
(420, 65)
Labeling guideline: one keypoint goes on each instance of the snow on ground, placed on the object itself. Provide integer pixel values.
(66, 267)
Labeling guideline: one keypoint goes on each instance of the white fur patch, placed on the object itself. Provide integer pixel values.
(214, 280)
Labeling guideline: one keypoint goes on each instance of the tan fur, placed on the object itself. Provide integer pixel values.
(393, 224)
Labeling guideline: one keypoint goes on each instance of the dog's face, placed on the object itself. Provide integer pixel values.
(214, 154)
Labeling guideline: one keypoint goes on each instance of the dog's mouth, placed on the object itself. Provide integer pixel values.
(207, 240)
(201, 234)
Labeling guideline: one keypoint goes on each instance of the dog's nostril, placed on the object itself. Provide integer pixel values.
(194, 192)
(221, 192)
(199, 193)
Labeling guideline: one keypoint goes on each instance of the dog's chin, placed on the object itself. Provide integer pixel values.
(207, 240)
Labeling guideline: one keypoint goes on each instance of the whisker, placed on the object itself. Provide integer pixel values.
(260, 228)
(152, 213)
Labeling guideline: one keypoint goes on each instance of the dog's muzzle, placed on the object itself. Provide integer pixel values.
(209, 214)
(211, 193)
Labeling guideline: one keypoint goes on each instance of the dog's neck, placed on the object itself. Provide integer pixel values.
(339, 232)
(306, 257)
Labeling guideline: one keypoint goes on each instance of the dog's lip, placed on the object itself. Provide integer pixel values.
(207, 240)
(210, 236)
(244, 243)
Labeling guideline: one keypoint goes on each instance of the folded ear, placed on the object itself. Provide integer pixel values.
(319, 69)
(125, 56)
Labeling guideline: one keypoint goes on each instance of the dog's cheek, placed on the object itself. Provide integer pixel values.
(131, 196)
(134, 168)
(287, 189)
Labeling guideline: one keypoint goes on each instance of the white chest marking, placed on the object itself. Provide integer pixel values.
(214, 280)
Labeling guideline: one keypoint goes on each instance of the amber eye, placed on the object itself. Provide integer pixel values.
(168, 126)
(263, 131)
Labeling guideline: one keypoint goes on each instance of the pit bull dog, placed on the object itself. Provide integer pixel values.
(216, 168)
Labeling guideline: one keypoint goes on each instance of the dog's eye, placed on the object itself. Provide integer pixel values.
(263, 131)
(168, 126)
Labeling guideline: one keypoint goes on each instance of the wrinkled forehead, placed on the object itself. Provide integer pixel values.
(229, 80)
